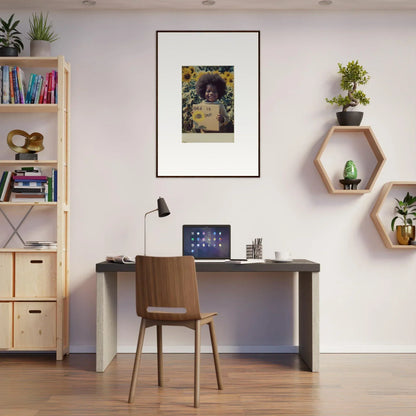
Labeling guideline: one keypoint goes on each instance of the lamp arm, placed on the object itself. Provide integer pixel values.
(145, 215)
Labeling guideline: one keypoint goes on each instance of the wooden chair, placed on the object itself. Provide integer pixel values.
(167, 294)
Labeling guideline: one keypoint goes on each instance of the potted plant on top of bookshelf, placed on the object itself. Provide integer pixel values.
(352, 75)
(10, 42)
(41, 35)
(406, 209)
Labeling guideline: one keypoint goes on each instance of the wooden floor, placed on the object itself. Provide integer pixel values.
(254, 384)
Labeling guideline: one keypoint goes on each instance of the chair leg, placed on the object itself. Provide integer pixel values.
(137, 361)
(197, 365)
(216, 355)
(159, 355)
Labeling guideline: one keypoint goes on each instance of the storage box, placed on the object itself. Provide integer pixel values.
(35, 325)
(6, 275)
(6, 325)
(35, 275)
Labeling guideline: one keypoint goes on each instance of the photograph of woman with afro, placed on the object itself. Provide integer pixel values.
(208, 104)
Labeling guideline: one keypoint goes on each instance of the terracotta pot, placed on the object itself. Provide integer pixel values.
(404, 234)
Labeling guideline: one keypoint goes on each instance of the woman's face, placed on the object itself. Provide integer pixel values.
(211, 93)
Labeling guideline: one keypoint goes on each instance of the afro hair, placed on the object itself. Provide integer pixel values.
(213, 79)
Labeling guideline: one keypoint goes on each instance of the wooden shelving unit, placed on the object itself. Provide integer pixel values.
(34, 284)
(382, 226)
(372, 143)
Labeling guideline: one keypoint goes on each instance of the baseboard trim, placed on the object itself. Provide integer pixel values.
(259, 349)
(226, 349)
(368, 349)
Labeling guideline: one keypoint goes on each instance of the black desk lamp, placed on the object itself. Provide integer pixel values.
(163, 211)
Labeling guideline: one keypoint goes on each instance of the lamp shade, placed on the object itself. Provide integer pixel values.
(162, 207)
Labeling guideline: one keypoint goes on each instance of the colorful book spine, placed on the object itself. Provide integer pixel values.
(20, 81)
(11, 86)
(40, 178)
(2, 180)
(35, 89)
(49, 191)
(55, 185)
(56, 86)
(49, 88)
(15, 86)
(6, 96)
(29, 88)
(45, 92)
(38, 89)
(6, 189)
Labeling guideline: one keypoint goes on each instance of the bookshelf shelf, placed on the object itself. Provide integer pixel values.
(355, 133)
(29, 204)
(33, 279)
(28, 108)
(44, 163)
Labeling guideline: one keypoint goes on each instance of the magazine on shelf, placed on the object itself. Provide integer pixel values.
(41, 245)
(121, 259)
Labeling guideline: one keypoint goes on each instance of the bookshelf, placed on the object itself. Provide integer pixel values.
(34, 284)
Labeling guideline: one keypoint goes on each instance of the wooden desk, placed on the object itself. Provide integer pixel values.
(308, 272)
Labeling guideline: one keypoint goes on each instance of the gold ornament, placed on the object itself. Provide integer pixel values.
(33, 142)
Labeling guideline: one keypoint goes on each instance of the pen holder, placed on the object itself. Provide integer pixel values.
(255, 250)
(249, 251)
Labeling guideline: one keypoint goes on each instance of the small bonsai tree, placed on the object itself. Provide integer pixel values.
(9, 35)
(352, 75)
(40, 29)
(406, 210)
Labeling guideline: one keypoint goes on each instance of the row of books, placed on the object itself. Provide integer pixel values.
(28, 185)
(40, 89)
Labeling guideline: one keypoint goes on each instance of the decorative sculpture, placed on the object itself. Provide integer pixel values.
(33, 144)
(350, 180)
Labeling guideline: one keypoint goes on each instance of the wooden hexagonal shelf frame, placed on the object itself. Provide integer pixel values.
(375, 148)
(375, 214)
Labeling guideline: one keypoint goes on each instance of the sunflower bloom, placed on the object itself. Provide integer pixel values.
(198, 116)
(186, 74)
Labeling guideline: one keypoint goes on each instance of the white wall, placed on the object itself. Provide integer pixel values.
(366, 291)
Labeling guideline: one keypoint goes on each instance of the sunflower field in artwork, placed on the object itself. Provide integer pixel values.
(190, 76)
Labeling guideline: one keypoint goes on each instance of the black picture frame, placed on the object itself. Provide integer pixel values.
(219, 153)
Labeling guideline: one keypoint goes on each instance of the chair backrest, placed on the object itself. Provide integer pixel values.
(167, 282)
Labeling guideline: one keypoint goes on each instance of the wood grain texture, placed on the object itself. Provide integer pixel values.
(165, 283)
(256, 384)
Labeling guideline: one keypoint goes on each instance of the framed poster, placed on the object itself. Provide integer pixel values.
(208, 104)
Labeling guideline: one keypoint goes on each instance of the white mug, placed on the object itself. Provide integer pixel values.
(282, 255)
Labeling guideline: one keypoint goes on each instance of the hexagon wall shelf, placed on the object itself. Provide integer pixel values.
(374, 146)
(375, 214)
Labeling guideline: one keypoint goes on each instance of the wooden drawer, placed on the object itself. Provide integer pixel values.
(6, 275)
(6, 325)
(35, 325)
(35, 275)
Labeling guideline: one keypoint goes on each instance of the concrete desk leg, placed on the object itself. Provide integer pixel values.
(106, 337)
(309, 319)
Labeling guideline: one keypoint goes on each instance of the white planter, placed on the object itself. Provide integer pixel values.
(40, 48)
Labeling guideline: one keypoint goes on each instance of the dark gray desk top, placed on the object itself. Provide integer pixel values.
(297, 265)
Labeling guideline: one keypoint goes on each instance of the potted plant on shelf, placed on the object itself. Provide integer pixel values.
(41, 35)
(10, 42)
(407, 212)
(352, 75)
